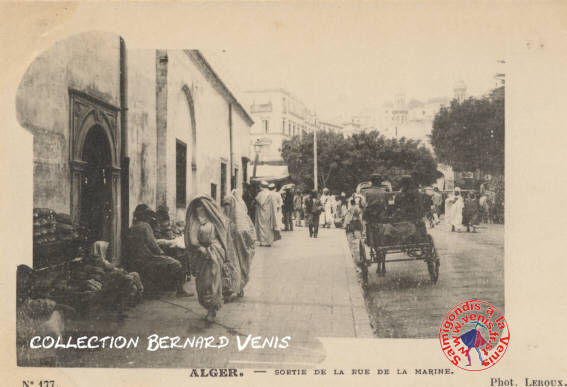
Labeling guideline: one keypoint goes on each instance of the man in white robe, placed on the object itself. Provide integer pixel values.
(266, 216)
(277, 197)
(327, 201)
(454, 210)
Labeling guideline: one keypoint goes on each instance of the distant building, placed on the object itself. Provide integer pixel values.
(278, 115)
(330, 127)
(350, 128)
(363, 122)
(460, 91)
(414, 119)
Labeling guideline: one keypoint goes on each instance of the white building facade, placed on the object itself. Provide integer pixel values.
(277, 115)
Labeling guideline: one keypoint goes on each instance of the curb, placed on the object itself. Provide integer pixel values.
(360, 316)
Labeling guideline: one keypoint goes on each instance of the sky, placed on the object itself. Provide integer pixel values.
(337, 57)
(352, 58)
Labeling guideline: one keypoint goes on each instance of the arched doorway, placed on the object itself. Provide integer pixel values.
(96, 202)
(94, 159)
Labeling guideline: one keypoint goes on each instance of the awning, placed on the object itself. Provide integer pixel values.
(268, 172)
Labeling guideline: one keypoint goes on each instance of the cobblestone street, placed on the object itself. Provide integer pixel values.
(301, 287)
(405, 304)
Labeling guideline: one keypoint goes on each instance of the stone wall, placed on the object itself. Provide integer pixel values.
(171, 96)
(89, 63)
(142, 146)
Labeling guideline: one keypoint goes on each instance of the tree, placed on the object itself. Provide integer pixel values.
(345, 162)
(469, 136)
(297, 152)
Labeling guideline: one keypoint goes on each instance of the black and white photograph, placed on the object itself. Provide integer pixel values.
(228, 206)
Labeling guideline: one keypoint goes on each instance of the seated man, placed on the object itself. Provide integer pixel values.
(409, 202)
(409, 211)
(156, 269)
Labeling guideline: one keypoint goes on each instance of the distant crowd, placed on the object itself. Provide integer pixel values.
(292, 207)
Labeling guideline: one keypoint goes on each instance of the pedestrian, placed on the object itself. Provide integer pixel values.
(344, 204)
(327, 202)
(298, 208)
(353, 219)
(313, 209)
(427, 207)
(454, 210)
(157, 270)
(207, 238)
(288, 203)
(243, 235)
(471, 212)
(340, 210)
(277, 198)
(483, 205)
(266, 216)
(437, 199)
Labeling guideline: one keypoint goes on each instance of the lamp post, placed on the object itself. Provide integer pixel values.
(257, 150)
(315, 155)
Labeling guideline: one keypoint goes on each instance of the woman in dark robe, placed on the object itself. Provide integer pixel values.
(243, 235)
(210, 248)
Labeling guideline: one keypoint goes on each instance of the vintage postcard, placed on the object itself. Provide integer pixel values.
(258, 193)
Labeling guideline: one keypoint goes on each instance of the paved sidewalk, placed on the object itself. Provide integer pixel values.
(300, 287)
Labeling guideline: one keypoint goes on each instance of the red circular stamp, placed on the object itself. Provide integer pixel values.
(474, 335)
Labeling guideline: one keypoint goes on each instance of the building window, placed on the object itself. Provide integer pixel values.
(289, 129)
(214, 191)
(223, 180)
(266, 125)
(283, 126)
(181, 174)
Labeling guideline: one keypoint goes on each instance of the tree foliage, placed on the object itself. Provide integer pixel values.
(345, 162)
(469, 135)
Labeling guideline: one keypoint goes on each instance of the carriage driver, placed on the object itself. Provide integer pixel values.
(375, 197)
(375, 204)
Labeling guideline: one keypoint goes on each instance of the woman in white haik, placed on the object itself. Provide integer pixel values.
(454, 209)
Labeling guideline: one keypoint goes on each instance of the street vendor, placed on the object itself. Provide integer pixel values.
(144, 256)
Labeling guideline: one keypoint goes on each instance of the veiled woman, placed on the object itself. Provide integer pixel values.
(209, 245)
(243, 235)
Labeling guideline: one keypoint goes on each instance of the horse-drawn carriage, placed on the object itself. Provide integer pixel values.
(386, 235)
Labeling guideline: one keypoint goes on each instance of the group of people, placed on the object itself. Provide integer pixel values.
(461, 211)
(216, 246)
(275, 211)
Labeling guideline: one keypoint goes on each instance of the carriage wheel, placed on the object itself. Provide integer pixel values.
(363, 264)
(433, 262)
